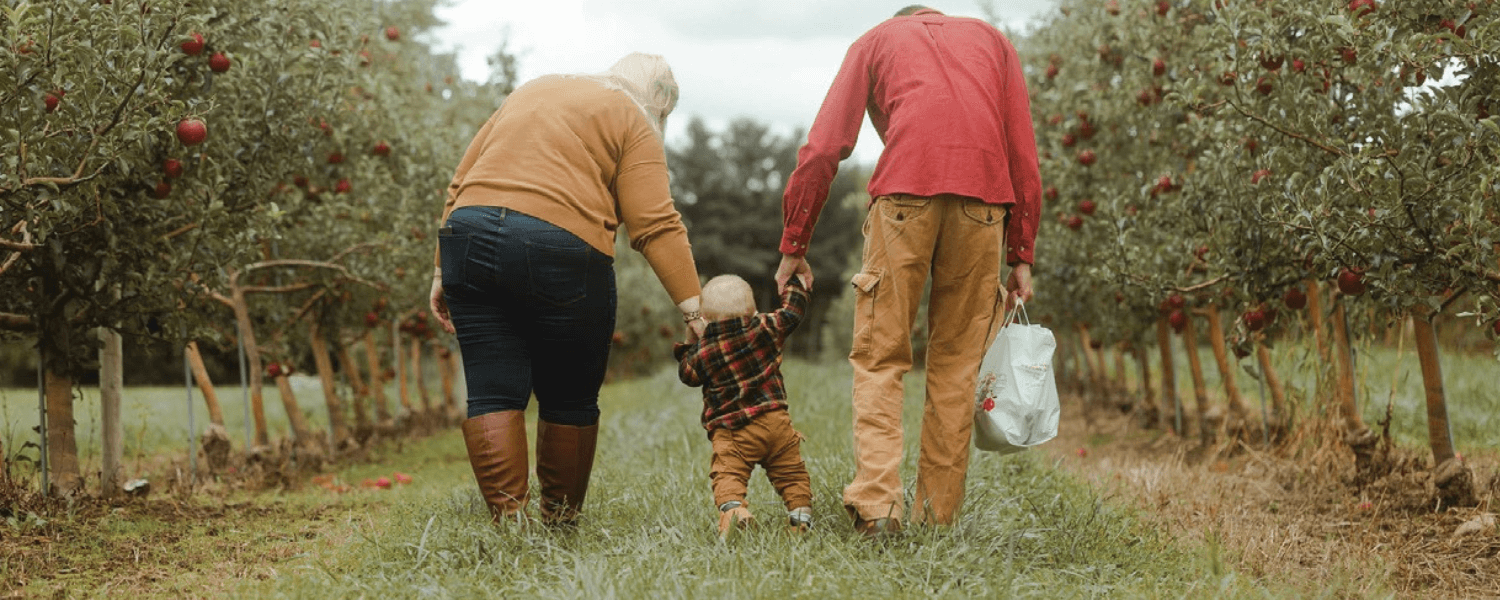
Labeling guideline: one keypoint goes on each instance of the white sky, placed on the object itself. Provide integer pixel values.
(771, 60)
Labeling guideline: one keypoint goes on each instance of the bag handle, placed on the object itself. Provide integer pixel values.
(1010, 316)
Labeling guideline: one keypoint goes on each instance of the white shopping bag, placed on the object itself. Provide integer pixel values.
(1015, 398)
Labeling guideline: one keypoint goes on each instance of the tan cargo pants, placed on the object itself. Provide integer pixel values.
(961, 243)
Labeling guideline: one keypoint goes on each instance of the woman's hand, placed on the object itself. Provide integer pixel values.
(439, 304)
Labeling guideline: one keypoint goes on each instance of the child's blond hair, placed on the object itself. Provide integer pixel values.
(726, 297)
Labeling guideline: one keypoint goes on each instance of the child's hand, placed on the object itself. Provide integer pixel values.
(695, 329)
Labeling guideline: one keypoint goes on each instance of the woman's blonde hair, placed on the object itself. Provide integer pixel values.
(727, 297)
(648, 80)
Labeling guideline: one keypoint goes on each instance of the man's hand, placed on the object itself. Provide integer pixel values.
(1019, 285)
(795, 266)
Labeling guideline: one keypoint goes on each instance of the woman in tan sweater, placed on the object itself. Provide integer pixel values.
(525, 271)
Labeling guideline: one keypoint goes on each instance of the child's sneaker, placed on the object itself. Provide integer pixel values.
(733, 515)
(799, 520)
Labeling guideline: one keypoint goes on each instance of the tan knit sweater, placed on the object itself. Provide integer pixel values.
(581, 156)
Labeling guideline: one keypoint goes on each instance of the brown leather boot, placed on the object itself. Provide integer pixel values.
(497, 451)
(564, 458)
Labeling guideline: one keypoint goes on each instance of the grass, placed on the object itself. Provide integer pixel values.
(1029, 529)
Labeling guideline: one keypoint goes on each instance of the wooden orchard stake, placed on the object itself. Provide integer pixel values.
(377, 379)
(1195, 367)
(416, 374)
(111, 395)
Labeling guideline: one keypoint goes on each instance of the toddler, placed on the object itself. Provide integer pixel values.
(737, 361)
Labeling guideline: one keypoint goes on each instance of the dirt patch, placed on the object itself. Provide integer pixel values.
(1297, 511)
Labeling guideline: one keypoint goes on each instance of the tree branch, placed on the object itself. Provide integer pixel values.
(179, 231)
(283, 289)
(14, 322)
(1291, 134)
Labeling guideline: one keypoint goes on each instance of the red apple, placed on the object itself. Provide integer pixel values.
(1164, 183)
(1162, 7)
(1351, 282)
(1087, 207)
(1264, 86)
(194, 46)
(383, 483)
(1075, 222)
(1178, 320)
(1112, 7)
(1144, 98)
(274, 370)
(51, 101)
(191, 132)
(335, 158)
(1349, 55)
(1051, 71)
(218, 63)
(618, 338)
(1258, 175)
(299, 181)
(1087, 158)
(1159, 67)
(1295, 299)
(1085, 129)
(172, 168)
(1497, 328)
(162, 190)
(1228, 78)
(1068, 140)
(371, 319)
(342, 187)
(1176, 302)
(1251, 144)
(1271, 63)
(382, 149)
(364, 58)
(392, 33)
(315, 44)
(1050, 193)
(1361, 8)
(1255, 320)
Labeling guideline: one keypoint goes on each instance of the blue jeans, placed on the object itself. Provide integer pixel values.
(534, 307)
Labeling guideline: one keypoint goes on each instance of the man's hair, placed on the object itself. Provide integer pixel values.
(727, 297)
(911, 10)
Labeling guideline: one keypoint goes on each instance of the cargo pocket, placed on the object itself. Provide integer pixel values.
(984, 214)
(453, 251)
(902, 208)
(866, 286)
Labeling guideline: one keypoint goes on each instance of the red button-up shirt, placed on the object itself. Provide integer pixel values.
(947, 96)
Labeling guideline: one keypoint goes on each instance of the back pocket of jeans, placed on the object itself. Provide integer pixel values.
(453, 251)
(559, 274)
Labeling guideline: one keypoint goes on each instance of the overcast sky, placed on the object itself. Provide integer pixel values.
(771, 60)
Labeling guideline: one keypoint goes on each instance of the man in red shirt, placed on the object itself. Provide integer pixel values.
(955, 189)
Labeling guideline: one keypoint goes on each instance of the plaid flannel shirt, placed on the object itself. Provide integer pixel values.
(738, 362)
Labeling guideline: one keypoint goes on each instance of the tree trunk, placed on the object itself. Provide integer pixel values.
(1096, 365)
(448, 359)
(1226, 369)
(111, 392)
(418, 378)
(62, 446)
(1278, 392)
(336, 425)
(1315, 317)
(1195, 367)
(294, 416)
(377, 379)
(1344, 364)
(1120, 378)
(205, 385)
(1148, 394)
(252, 354)
(361, 391)
(403, 391)
(1169, 395)
(1439, 434)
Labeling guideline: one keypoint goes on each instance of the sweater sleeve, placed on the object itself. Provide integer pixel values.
(1025, 176)
(471, 156)
(831, 139)
(643, 193)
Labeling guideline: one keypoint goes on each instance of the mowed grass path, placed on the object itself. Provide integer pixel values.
(1029, 530)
